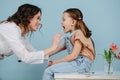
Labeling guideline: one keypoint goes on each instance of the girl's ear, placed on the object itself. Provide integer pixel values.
(73, 22)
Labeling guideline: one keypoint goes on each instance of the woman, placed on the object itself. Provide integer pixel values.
(13, 30)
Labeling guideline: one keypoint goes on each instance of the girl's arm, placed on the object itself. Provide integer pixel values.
(72, 56)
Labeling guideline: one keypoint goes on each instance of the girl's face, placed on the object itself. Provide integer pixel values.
(67, 23)
(35, 22)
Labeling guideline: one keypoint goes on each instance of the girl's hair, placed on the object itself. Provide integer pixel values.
(23, 15)
(77, 15)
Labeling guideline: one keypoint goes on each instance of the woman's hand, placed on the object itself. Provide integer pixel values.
(51, 62)
(1, 56)
(56, 40)
(55, 43)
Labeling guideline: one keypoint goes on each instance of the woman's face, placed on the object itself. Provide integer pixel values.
(35, 22)
(67, 22)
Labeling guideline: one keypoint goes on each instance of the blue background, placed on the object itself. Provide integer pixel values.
(101, 16)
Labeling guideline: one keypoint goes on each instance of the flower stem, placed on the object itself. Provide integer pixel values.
(109, 65)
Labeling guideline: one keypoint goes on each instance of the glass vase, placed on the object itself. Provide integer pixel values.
(108, 67)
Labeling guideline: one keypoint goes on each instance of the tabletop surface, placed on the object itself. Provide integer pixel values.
(92, 75)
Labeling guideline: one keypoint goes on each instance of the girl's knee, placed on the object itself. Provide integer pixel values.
(48, 70)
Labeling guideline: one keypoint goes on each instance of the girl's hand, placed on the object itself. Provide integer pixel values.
(56, 40)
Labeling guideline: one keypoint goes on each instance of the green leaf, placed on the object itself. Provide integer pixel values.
(107, 55)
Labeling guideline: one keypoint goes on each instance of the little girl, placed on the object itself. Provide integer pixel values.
(79, 45)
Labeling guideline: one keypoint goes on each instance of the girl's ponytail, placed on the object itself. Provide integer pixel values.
(81, 25)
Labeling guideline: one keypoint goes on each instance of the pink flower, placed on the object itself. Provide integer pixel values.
(110, 54)
(114, 47)
(118, 55)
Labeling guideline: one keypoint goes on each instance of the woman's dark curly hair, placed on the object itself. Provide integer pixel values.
(23, 15)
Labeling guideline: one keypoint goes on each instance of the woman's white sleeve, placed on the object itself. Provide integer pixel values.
(13, 39)
(31, 49)
(28, 46)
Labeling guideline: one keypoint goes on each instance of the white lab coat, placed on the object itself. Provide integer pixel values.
(11, 42)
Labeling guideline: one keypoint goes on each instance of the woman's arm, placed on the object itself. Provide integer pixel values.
(28, 46)
(55, 45)
(49, 51)
(58, 49)
(12, 36)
